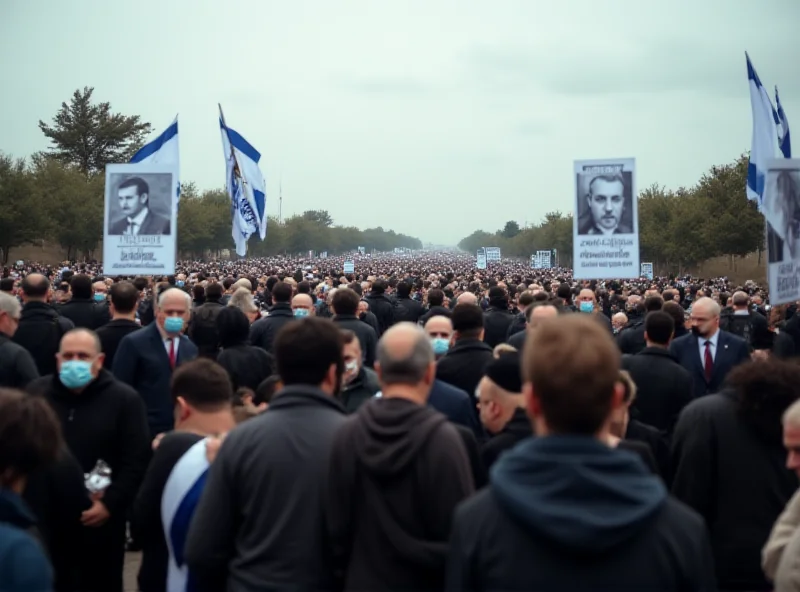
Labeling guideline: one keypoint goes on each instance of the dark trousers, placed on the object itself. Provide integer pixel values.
(103, 556)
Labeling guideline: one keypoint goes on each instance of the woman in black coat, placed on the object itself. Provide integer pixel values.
(246, 364)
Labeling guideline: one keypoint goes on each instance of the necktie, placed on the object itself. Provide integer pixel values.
(132, 228)
(708, 362)
(172, 353)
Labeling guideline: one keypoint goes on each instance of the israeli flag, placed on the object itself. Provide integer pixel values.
(762, 147)
(162, 150)
(246, 186)
(178, 503)
(784, 141)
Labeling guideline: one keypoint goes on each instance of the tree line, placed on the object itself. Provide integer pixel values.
(678, 229)
(58, 196)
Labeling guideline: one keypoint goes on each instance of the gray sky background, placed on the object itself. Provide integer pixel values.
(430, 117)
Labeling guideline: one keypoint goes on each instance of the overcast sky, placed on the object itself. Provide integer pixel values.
(430, 117)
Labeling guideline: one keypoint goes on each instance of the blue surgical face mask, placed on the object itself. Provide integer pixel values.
(179, 283)
(173, 324)
(75, 374)
(587, 306)
(440, 345)
(300, 312)
(99, 297)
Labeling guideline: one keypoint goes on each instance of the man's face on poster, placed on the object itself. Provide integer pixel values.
(130, 202)
(606, 203)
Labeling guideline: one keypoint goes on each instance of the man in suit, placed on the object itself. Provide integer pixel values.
(124, 299)
(146, 359)
(606, 204)
(139, 219)
(708, 353)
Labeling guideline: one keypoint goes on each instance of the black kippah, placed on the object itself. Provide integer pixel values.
(505, 372)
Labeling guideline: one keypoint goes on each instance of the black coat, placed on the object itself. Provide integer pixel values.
(383, 309)
(496, 322)
(517, 325)
(434, 311)
(111, 334)
(518, 428)
(663, 387)
(264, 331)
(463, 365)
(407, 310)
(731, 351)
(360, 390)
(40, 330)
(735, 476)
(366, 335)
(247, 365)
(85, 312)
(631, 339)
(17, 367)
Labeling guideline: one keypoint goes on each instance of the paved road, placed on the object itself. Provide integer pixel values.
(132, 561)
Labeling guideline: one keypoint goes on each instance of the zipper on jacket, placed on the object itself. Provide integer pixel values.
(71, 414)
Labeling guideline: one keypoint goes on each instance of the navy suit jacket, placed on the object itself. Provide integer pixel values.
(732, 350)
(456, 405)
(142, 362)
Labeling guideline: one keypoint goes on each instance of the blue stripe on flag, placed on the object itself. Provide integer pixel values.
(754, 180)
(179, 529)
(242, 145)
(155, 145)
(261, 203)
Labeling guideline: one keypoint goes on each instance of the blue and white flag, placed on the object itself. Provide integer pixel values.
(178, 502)
(762, 147)
(784, 140)
(245, 185)
(162, 150)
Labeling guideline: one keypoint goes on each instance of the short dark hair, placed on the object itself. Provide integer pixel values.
(403, 289)
(266, 389)
(141, 185)
(467, 320)
(653, 303)
(345, 301)
(564, 292)
(304, 288)
(233, 327)
(306, 349)
(674, 310)
(124, 297)
(435, 297)
(527, 297)
(203, 383)
(214, 291)
(141, 283)
(379, 286)
(281, 292)
(356, 287)
(35, 285)
(81, 285)
(6, 284)
(30, 435)
(348, 336)
(659, 327)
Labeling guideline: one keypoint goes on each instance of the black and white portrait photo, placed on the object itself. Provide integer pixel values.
(140, 204)
(782, 202)
(604, 200)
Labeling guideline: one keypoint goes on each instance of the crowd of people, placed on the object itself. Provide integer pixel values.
(418, 424)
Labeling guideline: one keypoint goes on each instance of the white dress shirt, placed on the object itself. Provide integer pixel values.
(701, 343)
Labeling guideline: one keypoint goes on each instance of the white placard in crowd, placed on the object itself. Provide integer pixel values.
(362, 250)
(323, 255)
(140, 229)
(480, 260)
(545, 259)
(349, 267)
(606, 221)
(782, 201)
(647, 271)
(492, 253)
(535, 261)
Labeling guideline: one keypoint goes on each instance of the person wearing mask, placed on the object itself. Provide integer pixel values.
(587, 304)
(303, 306)
(264, 330)
(17, 367)
(146, 359)
(83, 309)
(396, 450)
(105, 427)
(203, 322)
(100, 289)
(344, 306)
(708, 354)
(247, 365)
(258, 525)
(124, 299)
(359, 383)
(730, 465)
(40, 327)
(502, 408)
(536, 314)
(618, 322)
(407, 309)
(498, 318)
(564, 508)
(631, 340)
(202, 394)
(30, 439)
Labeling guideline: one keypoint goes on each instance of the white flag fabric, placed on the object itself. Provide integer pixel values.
(246, 186)
(162, 150)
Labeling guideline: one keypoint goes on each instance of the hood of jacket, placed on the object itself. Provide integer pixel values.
(38, 309)
(578, 493)
(103, 381)
(14, 511)
(391, 432)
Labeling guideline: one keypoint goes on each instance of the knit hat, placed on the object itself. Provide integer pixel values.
(506, 372)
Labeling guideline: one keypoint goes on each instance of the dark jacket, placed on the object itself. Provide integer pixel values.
(360, 390)
(366, 335)
(105, 421)
(496, 322)
(517, 325)
(631, 339)
(657, 443)
(434, 311)
(517, 340)
(85, 313)
(663, 387)
(479, 475)
(203, 328)
(111, 334)
(247, 365)
(17, 367)
(383, 309)
(407, 310)
(40, 330)
(151, 225)
(731, 351)
(463, 365)
(23, 564)
(371, 320)
(734, 475)
(746, 326)
(389, 456)
(264, 331)
(517, 429)
(569, 513)
(264, 497)
(456, 405)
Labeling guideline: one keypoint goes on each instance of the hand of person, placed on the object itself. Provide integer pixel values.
(97, 515)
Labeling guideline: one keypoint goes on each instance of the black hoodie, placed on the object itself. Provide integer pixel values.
(569, 513)
(407, 468)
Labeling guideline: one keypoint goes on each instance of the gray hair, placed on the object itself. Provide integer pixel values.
(792, 415)
(243, 300)
(409, 369)
(708, 303)
(170, 291)
(10, 305)
(740, 298)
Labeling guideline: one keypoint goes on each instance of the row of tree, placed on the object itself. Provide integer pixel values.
(57, 196)
(678, 229)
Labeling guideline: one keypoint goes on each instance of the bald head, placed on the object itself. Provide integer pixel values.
(34, 286)
(303, 302)
(740, 299)
(405, 357)
(439, 326)
(174, 298)
(82, 338)
(540, 314)
(467, 298)
(586, 295)
(706, 306)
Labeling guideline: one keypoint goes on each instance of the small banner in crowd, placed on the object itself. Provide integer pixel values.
(480, 259)
(362, 251)
(782, 198)
(606, 225)
(493, 254)
(349, 267)
(140, 219)
(647, 271)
